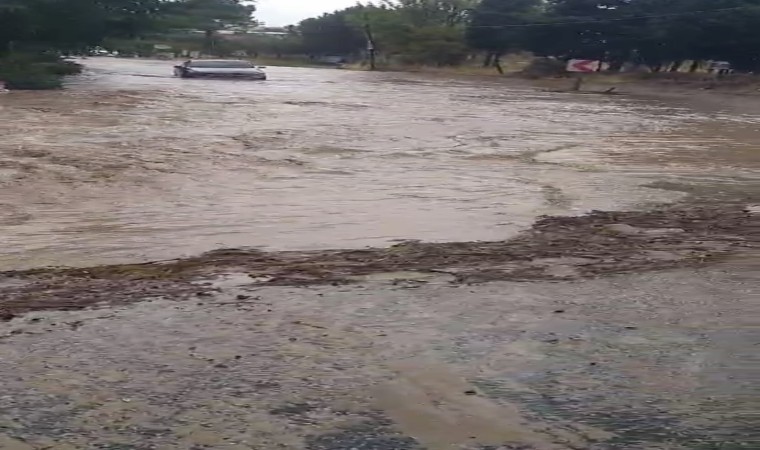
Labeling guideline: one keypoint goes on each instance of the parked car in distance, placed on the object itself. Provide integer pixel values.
(219, 68)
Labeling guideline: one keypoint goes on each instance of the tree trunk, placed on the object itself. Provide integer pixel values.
(602, 59)
(209, 41)
(497, 63)
(488, 61)
(371, 49)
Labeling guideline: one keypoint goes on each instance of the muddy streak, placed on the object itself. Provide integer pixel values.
(129, 164)
(444, 412)
(556, 248)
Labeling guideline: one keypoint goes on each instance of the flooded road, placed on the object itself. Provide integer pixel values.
(130, 164)
(614, 330)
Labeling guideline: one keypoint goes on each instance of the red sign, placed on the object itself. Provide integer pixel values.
(582, 65)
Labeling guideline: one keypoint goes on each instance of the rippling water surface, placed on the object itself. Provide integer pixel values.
(130, 164)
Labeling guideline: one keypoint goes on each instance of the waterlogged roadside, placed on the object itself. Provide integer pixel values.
(393, 362)
(630, 328)
(556, 248)
(419, 346)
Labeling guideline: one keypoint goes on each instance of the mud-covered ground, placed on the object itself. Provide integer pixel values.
(405, 360)
(615, 330)
(478, 303)
(556, 248)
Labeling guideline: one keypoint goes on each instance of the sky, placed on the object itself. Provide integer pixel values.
(289, 12)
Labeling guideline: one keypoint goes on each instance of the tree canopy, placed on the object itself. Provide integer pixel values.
(336, 33)
(422, 31)
(652, 32)
(437, 32)
(76, 24)
(645, 31)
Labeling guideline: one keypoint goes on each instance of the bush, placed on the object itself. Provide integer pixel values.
(35, 71)
(430, 46)
(30, 80)
(60, 68)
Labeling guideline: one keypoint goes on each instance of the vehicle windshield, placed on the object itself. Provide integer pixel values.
(221, 64)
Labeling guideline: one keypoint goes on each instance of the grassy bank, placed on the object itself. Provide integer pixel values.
(34, 71)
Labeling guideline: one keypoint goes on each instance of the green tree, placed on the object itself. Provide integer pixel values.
(70, 24)
(34, 32)
(729, 32)
(423, 13)
(14, 20)
(207, 16)
(338, 33)
(499, 26)
(659, 33)
(421, 31)
(654, 32)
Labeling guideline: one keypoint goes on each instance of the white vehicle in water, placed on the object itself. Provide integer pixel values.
(219, 68)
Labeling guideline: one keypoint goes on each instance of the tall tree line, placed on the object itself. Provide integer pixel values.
(652, 32)
(68, 25)
(658, 33)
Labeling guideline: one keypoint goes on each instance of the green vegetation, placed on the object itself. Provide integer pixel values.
(29, 79)
(205, 16)
(35, 71)
(428, 32)
(656, 34)
(35, 33)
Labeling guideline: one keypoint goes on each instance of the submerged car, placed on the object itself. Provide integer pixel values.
(224, 68)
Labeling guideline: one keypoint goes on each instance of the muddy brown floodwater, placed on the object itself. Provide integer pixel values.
(204, 304)
(130, 164)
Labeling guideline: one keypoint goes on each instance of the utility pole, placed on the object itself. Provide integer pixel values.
(370, 43)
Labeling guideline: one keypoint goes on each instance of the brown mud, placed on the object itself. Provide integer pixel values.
(660, 360)
(555, 248)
